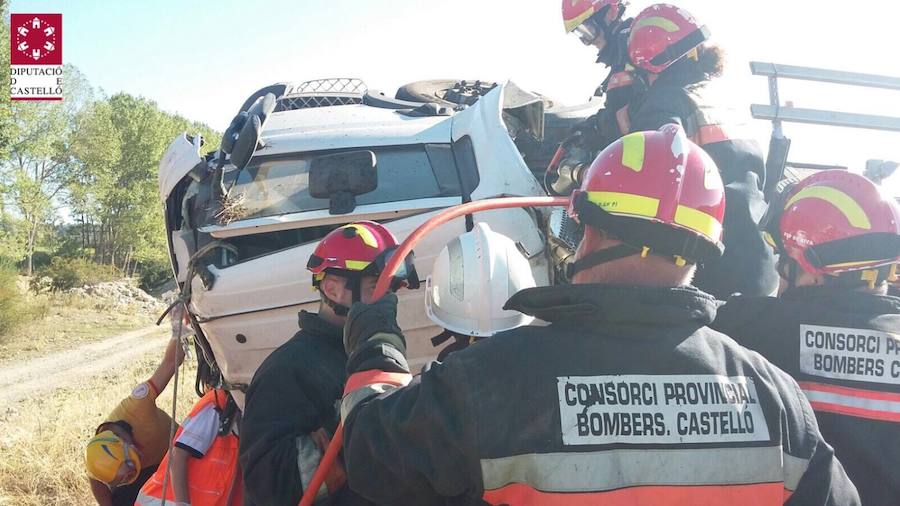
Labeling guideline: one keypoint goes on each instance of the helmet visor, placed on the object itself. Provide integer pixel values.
(587, 32)
(406, 271)
(128, 471)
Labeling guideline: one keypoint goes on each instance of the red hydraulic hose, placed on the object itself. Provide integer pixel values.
(384, 283)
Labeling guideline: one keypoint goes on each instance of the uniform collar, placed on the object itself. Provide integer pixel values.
(847, 300)
(312, 323)
(616, 304)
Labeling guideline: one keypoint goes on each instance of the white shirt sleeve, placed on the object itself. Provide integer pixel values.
(200, 431)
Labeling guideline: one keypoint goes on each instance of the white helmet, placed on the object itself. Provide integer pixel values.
(182, 155)
(473, 277)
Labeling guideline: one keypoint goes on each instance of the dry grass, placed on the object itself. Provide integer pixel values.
(65, 322)
(42, 440)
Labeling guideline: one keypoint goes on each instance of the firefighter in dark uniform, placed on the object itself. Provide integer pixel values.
(669, 65)
(834, 328)
(291, 407)
(600, 23)
(626, 398)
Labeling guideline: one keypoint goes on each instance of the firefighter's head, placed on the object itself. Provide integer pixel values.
(593, 21)
(347, 262)
(652, 204)
(834, 227)
(111, 456)
(662, 34)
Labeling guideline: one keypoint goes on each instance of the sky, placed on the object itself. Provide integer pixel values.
(202, 59)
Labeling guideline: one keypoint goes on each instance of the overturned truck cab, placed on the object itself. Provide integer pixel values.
(301, 160)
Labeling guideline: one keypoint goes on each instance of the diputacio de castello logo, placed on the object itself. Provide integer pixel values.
(36, 70)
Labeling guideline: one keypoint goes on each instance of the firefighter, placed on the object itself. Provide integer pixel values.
(600, 23)
(291, 405)
(129, 445)
(833, 328)
(625, 398)
(671, 64)
(470, 307)
(204, 469)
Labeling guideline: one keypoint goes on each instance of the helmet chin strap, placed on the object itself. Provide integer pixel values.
(787, 269)
(339, 309)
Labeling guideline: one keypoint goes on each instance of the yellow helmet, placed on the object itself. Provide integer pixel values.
(105, 455)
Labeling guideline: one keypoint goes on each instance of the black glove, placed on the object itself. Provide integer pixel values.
(364, 321)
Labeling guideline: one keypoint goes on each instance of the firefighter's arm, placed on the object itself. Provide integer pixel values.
(172, 359)
(180, 477)
(102, 493)
(404, 443)
(275, 436)
(823, 480)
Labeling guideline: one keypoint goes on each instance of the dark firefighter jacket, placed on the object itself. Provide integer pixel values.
(842, 347)
(748, 265)
(294, 393)
(626, 398)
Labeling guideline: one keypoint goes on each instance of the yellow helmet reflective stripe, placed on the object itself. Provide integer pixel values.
(657, 21)
(633, 151)
(356, 265)
(364, 233)
(625, 203)
(851, 209)
(648, 207)
(573, 23)
(698, 221)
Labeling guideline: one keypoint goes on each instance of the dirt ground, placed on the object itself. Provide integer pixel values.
(39, 375)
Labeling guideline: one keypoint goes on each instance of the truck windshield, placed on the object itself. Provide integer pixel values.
(272, 186)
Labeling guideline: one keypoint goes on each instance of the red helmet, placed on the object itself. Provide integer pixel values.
(661, 34)
(835, 221)
(576, 14)
(657, 192)
(358, 249)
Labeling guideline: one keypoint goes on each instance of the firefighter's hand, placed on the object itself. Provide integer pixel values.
(373, 324)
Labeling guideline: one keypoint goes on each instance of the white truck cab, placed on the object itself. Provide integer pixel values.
(246, 267)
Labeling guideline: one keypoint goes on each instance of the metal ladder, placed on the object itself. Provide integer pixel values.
(779, 145)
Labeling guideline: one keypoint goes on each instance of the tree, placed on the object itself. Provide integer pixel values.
(119, 142)
(40, 165)
(6, 123)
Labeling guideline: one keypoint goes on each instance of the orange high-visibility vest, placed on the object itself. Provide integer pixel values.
(213, 480)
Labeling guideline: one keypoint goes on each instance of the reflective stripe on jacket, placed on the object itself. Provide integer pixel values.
(213, 480)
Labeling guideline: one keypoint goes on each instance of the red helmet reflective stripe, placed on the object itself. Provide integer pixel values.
(661, 34)
(576, 12)
(657, 190)
(836, 221)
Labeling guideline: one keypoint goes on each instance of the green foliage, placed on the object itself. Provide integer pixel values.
(41, 260)
(96, 157)
(15, 308)
(6, 125)
(155, 274)
(40, 166)
(69, 273)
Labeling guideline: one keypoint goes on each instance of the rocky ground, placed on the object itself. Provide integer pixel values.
(119, 295)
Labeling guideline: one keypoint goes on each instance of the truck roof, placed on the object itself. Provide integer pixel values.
(344, 126)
